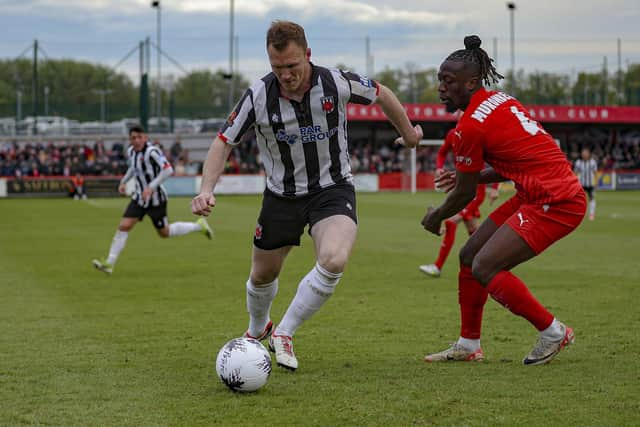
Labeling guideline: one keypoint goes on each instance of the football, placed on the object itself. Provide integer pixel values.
(243, 364)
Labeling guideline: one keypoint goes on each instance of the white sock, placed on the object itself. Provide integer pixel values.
(313, 291)
(259, 299)
(180, 228)
(592, 207)
(117, 245)
(554, 332)
(469, 344)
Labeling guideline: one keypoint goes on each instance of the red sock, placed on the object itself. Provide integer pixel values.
(447, 242)
(472, 297)
(512, 293)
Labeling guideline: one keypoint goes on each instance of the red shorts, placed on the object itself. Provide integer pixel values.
(541, 225)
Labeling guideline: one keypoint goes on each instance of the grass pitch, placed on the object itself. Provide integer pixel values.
(138, 348)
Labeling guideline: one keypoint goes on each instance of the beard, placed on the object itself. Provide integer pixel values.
(450, 107)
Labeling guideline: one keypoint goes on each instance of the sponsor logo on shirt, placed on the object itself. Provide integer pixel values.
(366, 82)
(307, 134)
(464, 160)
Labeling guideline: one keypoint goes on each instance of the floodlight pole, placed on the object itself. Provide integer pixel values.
(511, 6)
(46, 100)
(156, 4)
(34, 87)
(231, 37)
(18, 104)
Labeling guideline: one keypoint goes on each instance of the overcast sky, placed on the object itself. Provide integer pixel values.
(551, 35)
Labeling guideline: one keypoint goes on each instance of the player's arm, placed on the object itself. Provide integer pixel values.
(211, 172)
(490, 176)
(240, 120)
(494, 192)
(463, 193)
(122, 186)
(166, 170)
(443, 151)
(441, 157)
(410, 135)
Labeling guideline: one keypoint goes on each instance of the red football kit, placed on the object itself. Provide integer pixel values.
(472, 210)
(496, 129)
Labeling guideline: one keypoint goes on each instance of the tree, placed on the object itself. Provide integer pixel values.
(203, 94)
(593, 89)
(391, 79)
(631, 84)
(412, 85)
(426, 85)
(72, 89)
(544, 88)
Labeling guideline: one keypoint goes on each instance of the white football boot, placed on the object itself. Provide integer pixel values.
(456, 353)
(545, 350)
(282, 346)
(430, 270)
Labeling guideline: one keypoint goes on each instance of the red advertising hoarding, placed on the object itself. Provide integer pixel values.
(543, 113)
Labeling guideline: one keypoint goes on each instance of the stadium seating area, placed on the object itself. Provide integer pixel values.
(613, 150)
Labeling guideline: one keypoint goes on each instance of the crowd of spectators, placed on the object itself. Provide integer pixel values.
(612, 150)
(61, 159)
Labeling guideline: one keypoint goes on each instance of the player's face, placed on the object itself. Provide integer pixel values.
(456, 86)
(137, 139)
(291, 67)
(586, 154)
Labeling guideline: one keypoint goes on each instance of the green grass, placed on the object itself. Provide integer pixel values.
(138, 348)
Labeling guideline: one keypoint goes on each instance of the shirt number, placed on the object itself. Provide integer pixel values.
(527, 124)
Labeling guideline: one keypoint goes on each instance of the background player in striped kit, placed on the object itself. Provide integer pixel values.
(299, 114)
(586, 168)
(469, 215)
(149, 167)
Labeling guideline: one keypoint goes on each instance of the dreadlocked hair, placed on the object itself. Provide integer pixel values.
(474, 54)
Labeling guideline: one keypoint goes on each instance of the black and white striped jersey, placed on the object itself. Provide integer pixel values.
(586, 171)
(303, 145)
(145, 166)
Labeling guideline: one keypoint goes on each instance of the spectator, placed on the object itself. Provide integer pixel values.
(176, 150)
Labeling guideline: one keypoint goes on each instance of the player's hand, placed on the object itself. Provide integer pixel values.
(446, 181)
(432, 221)
(439, 172)
(122, 189)
(146, 194)
(411, 140)
(493, 195)
(202, 204)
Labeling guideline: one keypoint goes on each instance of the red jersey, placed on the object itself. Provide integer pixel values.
(495, 128)
(441, 158)
(444, 149)
(77, 181)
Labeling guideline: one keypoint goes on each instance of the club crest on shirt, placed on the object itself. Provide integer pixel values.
(328, 104)
(275, 118)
